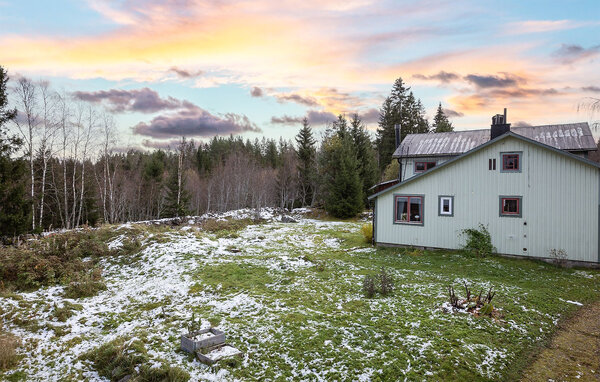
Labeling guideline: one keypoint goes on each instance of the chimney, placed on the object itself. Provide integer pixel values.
(499, 125)
(398, 133)
(397, 130)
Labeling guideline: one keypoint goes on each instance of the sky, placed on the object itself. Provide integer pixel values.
(167, 68)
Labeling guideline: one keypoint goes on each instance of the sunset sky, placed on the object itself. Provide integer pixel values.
(203, 68)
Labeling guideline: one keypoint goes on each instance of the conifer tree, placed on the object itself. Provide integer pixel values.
(365, 154)
(177, 197)
(441, 124)
(14, 207)
(307, 166)
(342, 184)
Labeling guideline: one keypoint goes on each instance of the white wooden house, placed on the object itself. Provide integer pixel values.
(533, 187)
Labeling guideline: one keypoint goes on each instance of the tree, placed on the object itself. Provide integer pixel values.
(14, 207)
(365, 154)
(342, 184)
(400, 108)
(441, 124)
(307, 166)
(177, 196)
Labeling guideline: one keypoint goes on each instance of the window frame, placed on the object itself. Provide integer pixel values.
(519, 212)
(440, 199)
(520, 161)
(409, 196)
(426, 169)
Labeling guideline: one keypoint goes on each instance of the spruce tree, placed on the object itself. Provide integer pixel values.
(365, 154)
(342, 183)
(307, 166)
(14, 207)
(441, 124)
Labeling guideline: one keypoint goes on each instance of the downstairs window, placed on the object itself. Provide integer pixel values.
(409, 209)
(510, 206)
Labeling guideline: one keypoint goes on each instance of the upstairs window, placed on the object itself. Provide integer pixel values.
(510, 206)
(511, 162)
(409, 209)
(423, 166)
(446, 207)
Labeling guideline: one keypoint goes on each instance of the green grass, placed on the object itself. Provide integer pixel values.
(290, 297)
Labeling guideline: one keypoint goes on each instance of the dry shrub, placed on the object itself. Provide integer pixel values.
(8, 350)
(367, 231)
(87, 285)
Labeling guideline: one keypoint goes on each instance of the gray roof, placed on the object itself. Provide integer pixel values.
(511, 133)
(570, 137)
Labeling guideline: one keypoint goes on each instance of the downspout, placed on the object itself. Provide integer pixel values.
(373, 240)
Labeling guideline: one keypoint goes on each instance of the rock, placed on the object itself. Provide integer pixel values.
(288, 219)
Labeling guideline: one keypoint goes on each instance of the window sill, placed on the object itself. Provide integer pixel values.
(409, 223)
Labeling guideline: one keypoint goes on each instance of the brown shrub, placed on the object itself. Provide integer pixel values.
(8, 350)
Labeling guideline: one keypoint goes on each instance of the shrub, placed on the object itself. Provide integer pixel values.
(87, 285)
(386, 283)
(367, 231)
(559, 257)
(478, 241)
(8, 350)
(369, 286)
(119, 358)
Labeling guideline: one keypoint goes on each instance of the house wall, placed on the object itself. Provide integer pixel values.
(408, 164)
(560, 204)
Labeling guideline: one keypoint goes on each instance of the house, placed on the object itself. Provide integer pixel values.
(533, 187)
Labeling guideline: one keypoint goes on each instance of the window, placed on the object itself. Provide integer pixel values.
(511, 162)
(510, 206)
(409, 209)
(423, 166)
(446, 206)
(492, 164)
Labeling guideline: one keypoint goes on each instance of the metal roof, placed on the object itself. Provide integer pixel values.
(437, 168)
(569, 137)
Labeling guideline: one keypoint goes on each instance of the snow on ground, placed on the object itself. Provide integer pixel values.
(153, 297)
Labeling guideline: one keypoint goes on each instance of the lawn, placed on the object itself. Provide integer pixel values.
(289, 295)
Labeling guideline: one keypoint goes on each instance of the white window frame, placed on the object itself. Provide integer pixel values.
(441, 199)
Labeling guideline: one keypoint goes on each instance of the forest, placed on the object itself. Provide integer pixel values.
(60, 166)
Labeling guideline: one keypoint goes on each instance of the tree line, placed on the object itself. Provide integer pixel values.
(59, 166)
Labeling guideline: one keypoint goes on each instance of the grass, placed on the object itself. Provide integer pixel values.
(290, 297)
(8, 350)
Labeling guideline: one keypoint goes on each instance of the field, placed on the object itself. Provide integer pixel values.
(289, 296)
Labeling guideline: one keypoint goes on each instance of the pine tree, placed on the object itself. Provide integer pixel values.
(14, 207)
(307, 166)
(365, 154)
(441, 124)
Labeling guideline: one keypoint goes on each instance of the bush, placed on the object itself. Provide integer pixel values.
(8, 350)
(478, 241)
(369, 286)
(87, 285)
(120, 358)
(386, 284)
(367, 231)
(559, 257)
(56, 259)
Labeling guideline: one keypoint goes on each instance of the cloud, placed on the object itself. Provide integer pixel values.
(143, 100)
(186, 73)
(491, 81)
(297, 98)
(370, 116)
(522, 124)
(194, 121)
(256, 92)
(522, 92)
(594, 89)
(442, 76)
(452, 113)
(570, 53)
(540, 26)
(314, 117)
(161, 145)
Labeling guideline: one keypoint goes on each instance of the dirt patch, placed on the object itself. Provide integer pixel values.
(573, 353)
